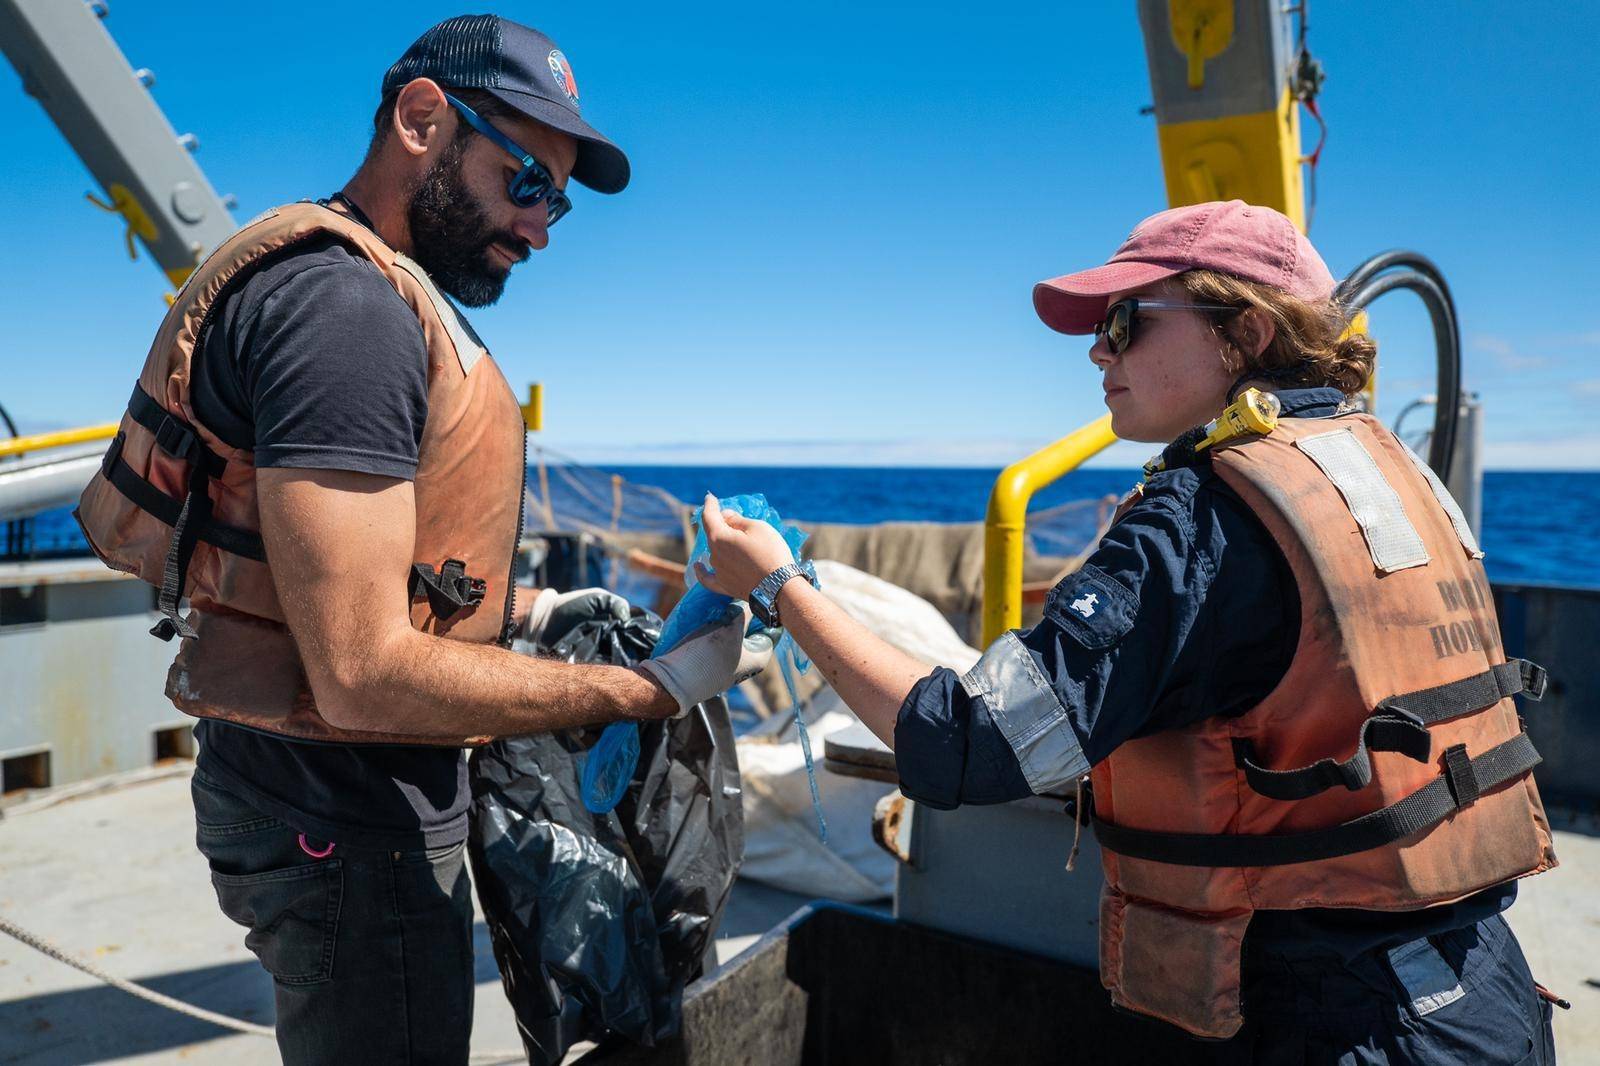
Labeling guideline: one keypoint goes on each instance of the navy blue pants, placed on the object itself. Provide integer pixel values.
(1460, 997)
(370, 951)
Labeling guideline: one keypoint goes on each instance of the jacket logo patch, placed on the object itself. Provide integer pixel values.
(1092, 608)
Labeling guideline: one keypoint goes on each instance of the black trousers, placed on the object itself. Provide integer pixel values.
(1461, 997)
(370, 952)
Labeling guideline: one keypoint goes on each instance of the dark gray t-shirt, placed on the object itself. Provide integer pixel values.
(313, 360)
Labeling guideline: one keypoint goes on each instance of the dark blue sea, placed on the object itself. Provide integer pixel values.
(1539, 527)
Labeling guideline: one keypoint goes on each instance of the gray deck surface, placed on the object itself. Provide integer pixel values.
(114, 876)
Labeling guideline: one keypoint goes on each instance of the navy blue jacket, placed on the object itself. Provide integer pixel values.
(1186, 609)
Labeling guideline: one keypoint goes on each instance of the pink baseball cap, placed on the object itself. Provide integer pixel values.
(1231, 237)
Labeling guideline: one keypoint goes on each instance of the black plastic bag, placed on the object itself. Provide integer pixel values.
(599, 920)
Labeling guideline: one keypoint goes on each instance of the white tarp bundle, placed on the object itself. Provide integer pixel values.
(782, 845)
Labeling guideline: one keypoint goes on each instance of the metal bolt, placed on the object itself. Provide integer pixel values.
(230, 201)
(189, 141)
(187, 202)
(100, 8)
(145, 76)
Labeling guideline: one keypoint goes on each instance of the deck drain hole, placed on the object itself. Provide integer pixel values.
(21, 772)
(176, 742)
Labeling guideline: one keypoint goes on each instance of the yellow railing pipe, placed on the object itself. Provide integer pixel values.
(38, 442)
(1008, 514)
(533, 410)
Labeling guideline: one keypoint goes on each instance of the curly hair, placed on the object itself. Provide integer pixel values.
(1311, 345)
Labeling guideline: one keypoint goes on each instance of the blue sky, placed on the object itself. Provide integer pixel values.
(836, 219)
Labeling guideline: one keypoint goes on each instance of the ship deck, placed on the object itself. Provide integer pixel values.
(109, 872)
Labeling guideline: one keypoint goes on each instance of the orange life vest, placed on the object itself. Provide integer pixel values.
(1387, 771)
(176, 506)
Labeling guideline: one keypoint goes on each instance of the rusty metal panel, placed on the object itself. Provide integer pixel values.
(86, 682)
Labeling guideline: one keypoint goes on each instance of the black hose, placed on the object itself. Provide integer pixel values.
(1377, 276)
(6, 418)
(1383, 261)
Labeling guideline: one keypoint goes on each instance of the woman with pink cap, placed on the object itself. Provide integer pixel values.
(1279, 670)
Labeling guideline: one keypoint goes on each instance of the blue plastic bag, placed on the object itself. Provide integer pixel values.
(609, 765)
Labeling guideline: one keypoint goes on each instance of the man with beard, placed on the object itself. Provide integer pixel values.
(354, 469)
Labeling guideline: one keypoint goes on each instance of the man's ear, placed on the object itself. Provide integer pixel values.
(422, 117)
(1254, 330)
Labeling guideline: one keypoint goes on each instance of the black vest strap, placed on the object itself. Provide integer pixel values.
(191, 521)
(1463, 780)
(192, 517)
(175, 436)
(1384, 731)
(148, 498)
(1397, 726)
(449, 590)
(1472, 693)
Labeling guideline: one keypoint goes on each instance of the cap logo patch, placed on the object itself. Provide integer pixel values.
(562, 70)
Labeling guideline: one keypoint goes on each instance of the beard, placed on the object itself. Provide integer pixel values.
(451, 233)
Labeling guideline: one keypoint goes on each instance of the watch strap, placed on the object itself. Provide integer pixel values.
(764, 599)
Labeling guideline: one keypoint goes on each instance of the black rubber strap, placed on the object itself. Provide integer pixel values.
(1462, 782)
(193, 514)
(175, 436)
(1397, 726)
(448, 590)
(1473, 693)
(1384, 731)
(168, 509)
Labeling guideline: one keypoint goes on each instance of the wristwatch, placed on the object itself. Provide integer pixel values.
(764, 597)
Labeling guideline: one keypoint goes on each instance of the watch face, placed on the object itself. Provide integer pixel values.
(761, 606)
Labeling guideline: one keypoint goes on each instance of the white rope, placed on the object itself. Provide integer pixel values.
(238, 1025)
(39, 943)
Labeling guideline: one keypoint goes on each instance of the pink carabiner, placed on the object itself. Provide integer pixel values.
(323, 854)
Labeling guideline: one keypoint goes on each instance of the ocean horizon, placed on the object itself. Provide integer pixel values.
(1537, 525)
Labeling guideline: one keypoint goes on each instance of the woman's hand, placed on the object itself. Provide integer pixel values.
(743, 551)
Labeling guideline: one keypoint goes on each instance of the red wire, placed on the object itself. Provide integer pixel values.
(1322, 137)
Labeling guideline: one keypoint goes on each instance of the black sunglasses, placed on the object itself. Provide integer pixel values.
(530, 184)
(1117, 328)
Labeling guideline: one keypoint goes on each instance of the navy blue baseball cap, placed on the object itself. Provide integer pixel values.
(523, 69)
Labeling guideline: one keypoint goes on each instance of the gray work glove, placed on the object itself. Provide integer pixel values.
(712, 659)
(555, 614)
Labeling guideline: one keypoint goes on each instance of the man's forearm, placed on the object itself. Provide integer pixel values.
(872, 676)
(424, 685)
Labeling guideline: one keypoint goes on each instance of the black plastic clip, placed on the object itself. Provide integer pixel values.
(1462, 778)
(448, 590)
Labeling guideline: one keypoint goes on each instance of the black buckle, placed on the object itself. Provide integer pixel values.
(177, 439)
(1460, 776)
(1534, 679)
(448, 589)
(469, 590)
